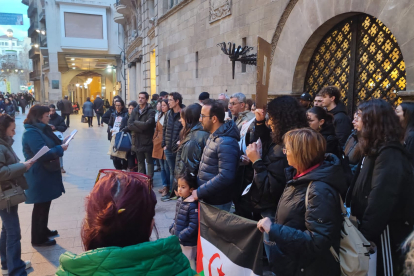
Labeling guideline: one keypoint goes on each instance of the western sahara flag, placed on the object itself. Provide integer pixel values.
(228, 244)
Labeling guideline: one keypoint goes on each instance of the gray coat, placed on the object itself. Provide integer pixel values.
(88, 109)
(67, 107)
(10, 168)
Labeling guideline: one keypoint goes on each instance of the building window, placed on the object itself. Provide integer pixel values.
(196, 61)
(168, 68)
(81, 25)
(6, 43)
(14, 44)
(243, 65)
(361, 56)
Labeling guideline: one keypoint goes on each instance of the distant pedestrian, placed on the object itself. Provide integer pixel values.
(9, 108)
(185, 225)
(203, 96)
(164, 95)
(218, 165)
(66, 110)
(250, 104)
(305, 100)
(44, 177)
(237, 106)
(318, 100)
(87, 111)
(142, 124)
(11, 171)
(98, 107)
(154, 100)
(331, 101)
(23, 104)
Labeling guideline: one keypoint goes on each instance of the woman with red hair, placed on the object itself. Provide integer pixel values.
(116, 234)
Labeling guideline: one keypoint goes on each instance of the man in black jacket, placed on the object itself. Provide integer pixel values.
(98, 105)
(57, 123)
(343, 124)
(171, 134)
(142, 124)
(66, 110)
(218, 166)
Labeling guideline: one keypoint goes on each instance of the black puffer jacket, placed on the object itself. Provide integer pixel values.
(142, 127)
(332, 143)
(352, 151)
(303, 236)
(185, 225)
(58, 122)
(383, 191)
(218, 166)
(190, 151)
(172, 128)
(270, 180)
(409, 145)
(343, 124)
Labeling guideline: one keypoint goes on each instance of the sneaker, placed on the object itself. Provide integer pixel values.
(166, 198)
(6, 272)
(162, 189)
(174, 198)
(165, 192)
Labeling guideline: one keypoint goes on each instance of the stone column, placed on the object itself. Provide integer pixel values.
(132, 83)
(138, 87)
(54, 75)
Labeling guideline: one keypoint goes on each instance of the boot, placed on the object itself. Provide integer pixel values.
(162, 190)
(165, 192)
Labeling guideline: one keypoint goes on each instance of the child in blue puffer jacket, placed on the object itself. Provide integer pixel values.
(185, 225)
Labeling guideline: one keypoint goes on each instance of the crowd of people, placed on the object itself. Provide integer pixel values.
(11, 103)
(288, 167)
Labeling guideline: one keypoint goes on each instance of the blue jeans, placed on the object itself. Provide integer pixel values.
(224, 207)
(10, 247)
(171, 164)
(165, 172)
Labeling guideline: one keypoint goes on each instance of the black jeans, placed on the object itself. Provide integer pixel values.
(99, 117)
(131, 161)
(23, 109)
(66, 118)
(90, 121)
(40, 218)
(141, 158)
(120, 164)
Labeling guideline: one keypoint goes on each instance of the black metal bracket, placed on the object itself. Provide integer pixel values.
(238, 54)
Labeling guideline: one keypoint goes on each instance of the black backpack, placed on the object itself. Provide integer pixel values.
(59, 105)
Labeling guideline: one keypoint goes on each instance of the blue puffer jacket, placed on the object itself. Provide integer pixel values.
(185, 225)
(218, 166)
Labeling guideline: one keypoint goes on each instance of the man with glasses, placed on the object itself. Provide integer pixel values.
(237, 106)
(171, 136)
(218, 166)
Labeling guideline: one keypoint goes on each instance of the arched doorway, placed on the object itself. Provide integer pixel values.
(362, 57)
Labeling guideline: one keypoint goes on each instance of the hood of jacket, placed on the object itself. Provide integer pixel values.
(160, 257)
(327, 130)
(46, 130)
(329, 172)
(228, 129)
(340, 108)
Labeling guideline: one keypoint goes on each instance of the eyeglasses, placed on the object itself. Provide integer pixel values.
(233, 103)
(358, 115)
(204, 116)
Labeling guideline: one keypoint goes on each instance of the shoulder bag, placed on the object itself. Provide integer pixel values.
(11, 197)
(123, 141)
(353, 249)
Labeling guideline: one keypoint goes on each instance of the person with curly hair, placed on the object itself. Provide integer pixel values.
(381, 199)
(285, 113)
(405, 112)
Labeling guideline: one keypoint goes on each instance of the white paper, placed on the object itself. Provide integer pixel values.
(247, 189)
(40, 153)
(117, 124)
(70, 137)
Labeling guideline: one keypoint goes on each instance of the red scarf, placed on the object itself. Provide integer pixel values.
(307, 171)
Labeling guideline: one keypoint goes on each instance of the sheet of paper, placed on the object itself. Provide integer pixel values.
(117, 124)
(247, 189)
(40, 153)
(70, 137)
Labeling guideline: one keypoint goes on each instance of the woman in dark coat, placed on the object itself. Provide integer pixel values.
(303, 233)
(22, 104)
(321, 121)
(131, 156)
(114, 127)
(381, 199)
(351, 150)
(87, 110)
(405, 113)
(107, 116)
(285, 113)
(192, 142)
(44, 177)
(9, 108)
(11, 170)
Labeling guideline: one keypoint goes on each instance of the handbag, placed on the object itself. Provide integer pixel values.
(123, 141)
(52, 165)
(118, 154)
(84, 119)
(11, 197)
(353, 248)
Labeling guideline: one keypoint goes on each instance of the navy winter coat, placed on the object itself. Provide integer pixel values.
(303, 236)
(218, 166)
(185, 225)
(44, 185)
(9, 109)
(58, 122)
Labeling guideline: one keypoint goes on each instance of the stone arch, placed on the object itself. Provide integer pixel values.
(305, 22)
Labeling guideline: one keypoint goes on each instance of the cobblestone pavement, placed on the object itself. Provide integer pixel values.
(87, 154)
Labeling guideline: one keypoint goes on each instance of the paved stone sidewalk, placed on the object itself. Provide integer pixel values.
(87, 154)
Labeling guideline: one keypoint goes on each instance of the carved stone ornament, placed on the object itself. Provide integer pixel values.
(219, 9)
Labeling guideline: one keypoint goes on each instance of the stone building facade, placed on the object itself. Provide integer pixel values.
(175, 48)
